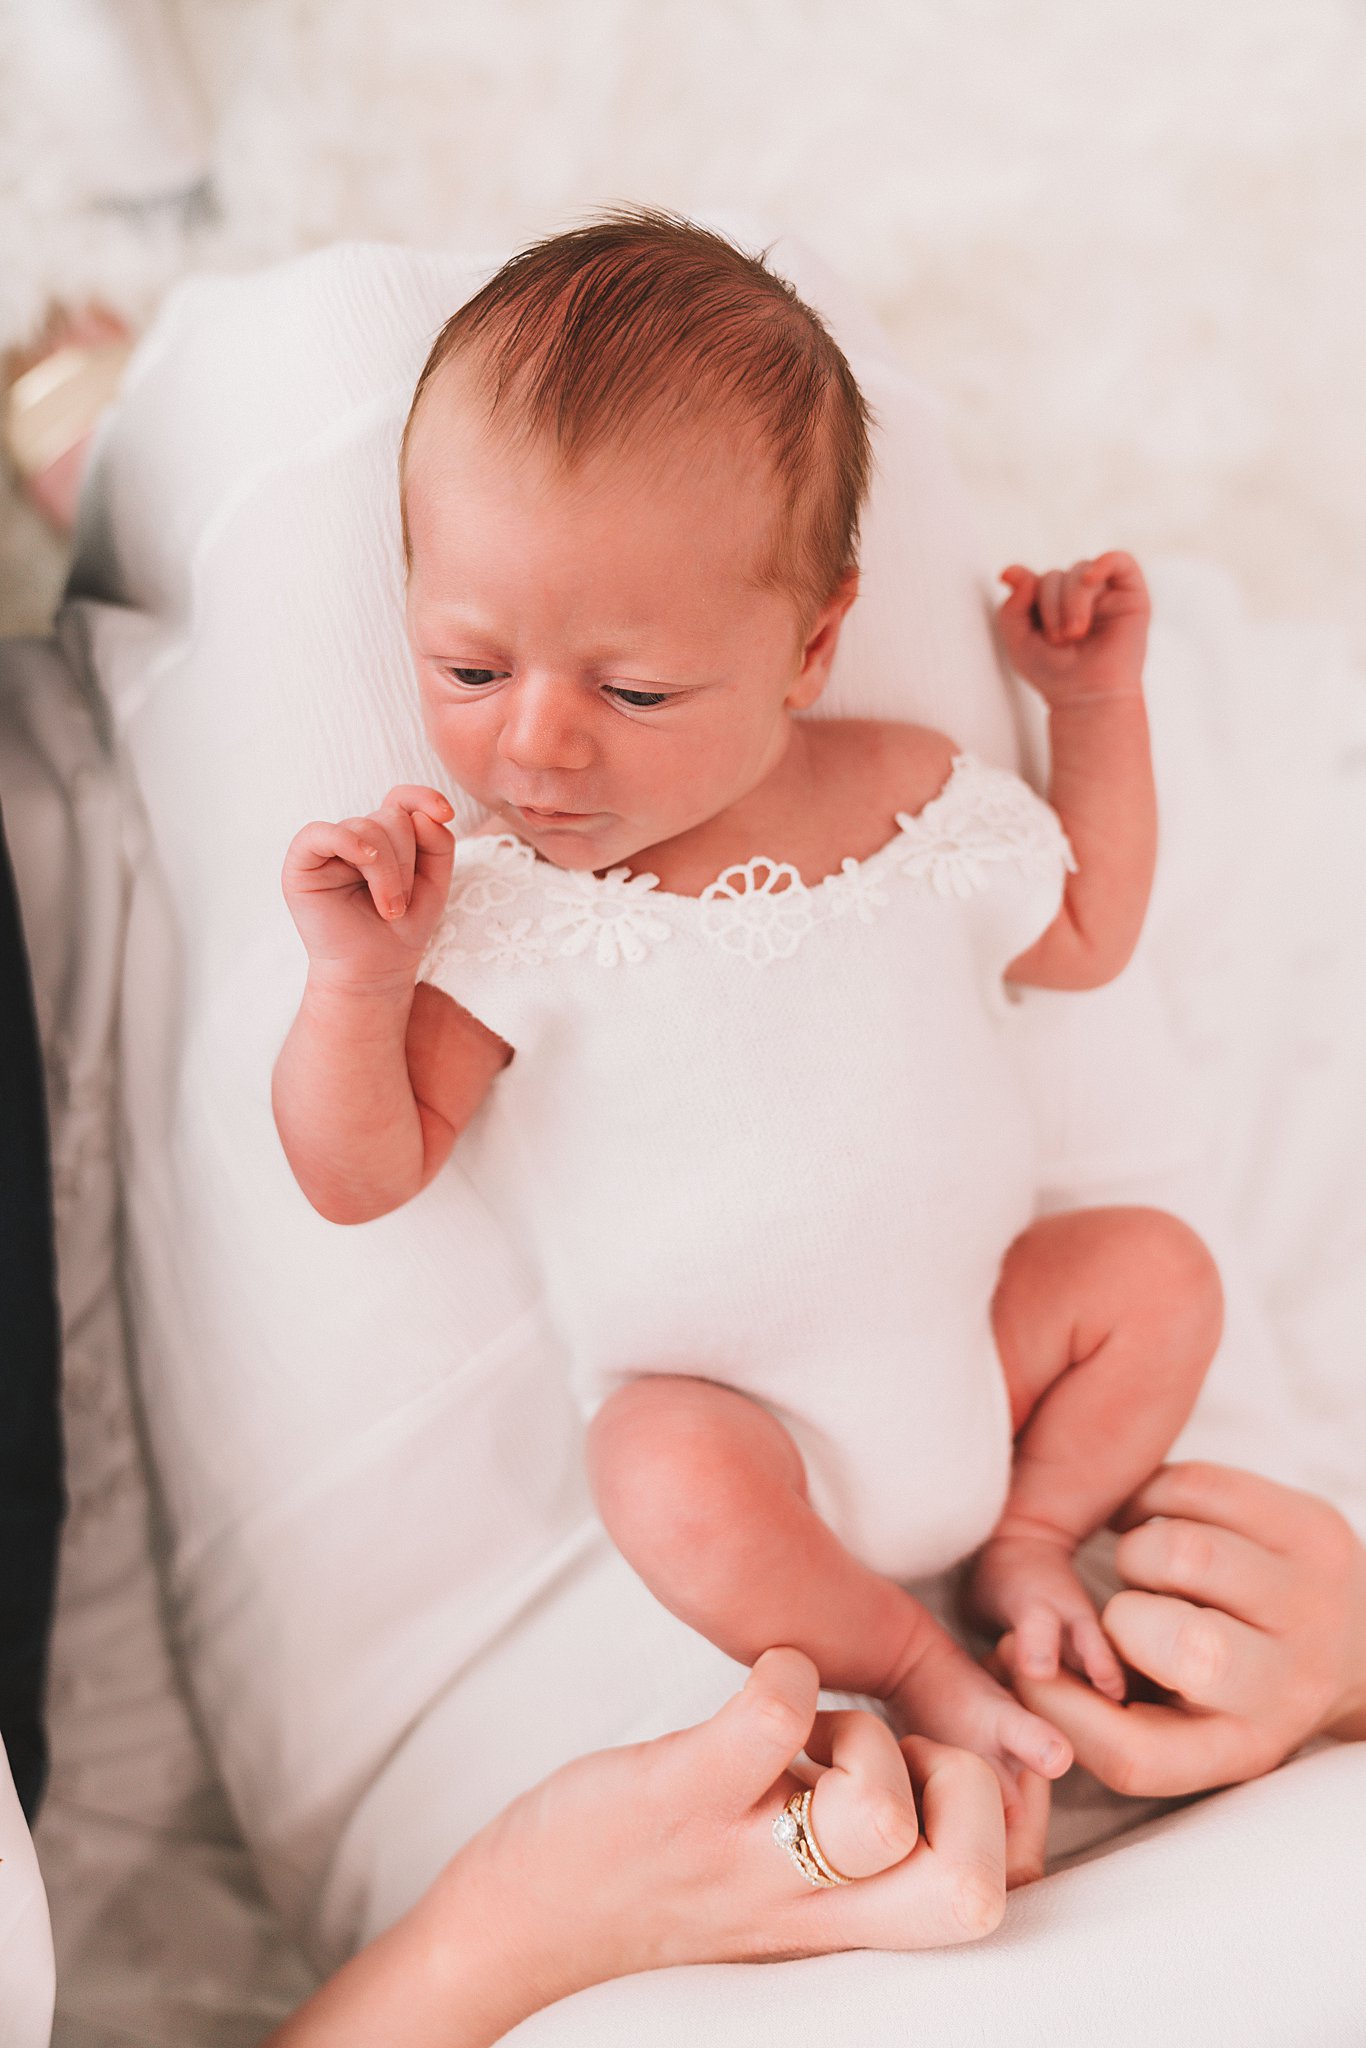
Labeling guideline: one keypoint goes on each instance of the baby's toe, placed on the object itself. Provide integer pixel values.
(1033, 1742)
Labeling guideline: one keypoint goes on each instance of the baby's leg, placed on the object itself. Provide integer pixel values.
(1105, 1320)
(704, 1492)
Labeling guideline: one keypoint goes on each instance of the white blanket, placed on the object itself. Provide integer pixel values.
(1259, 739)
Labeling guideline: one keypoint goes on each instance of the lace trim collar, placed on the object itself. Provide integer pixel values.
(760, 908)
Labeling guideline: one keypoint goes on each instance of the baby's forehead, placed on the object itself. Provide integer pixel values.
(698, 447)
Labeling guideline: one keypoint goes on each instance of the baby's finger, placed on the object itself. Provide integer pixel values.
(1021, 582)
(435, 844)
(862, 1808)
(1092, 1655)
(381, 865)
(417, 796)
(1048, 603)
(1080, 586)
(1037, 1641)
(317, 844)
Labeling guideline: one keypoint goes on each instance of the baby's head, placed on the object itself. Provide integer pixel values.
(631, 476)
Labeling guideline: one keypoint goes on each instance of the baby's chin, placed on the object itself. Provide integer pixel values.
(588, 843)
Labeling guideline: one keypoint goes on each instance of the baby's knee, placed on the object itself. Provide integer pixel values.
(1175, 1275)
(672, 1460)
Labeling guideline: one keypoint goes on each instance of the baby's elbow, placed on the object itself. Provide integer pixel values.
(1067, 958)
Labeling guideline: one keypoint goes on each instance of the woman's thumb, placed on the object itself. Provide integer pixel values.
(755, 1736)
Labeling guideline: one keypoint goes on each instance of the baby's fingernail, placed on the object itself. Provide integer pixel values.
(394, 907)
(370, 852)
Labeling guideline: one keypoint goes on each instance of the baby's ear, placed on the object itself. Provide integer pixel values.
(822, 638)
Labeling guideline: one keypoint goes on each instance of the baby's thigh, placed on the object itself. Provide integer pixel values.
(1074, 1279)
(669, 1454)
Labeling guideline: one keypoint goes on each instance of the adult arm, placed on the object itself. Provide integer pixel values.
(1244, 1602)
(661, 1853)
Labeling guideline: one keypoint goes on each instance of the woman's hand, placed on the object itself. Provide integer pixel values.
(1245, 1604)
(662, 1853)
(366, 894)
(1078, 633)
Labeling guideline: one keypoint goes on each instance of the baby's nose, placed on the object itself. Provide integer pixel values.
(544, 725)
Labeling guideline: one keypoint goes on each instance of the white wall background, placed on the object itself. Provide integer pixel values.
(1125, 239)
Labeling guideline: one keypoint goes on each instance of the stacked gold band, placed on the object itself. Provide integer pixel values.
(792, 1831)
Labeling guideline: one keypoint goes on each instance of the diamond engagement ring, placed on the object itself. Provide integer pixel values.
(792, 1831)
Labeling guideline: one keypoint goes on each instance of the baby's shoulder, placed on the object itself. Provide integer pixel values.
(899, 766)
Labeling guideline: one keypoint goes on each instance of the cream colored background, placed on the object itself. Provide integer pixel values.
(1123, 239)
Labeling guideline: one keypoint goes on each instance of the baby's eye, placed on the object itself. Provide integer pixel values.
(475, 678)
(639, 700)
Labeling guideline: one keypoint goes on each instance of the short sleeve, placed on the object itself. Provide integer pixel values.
(1008, 855)
(488, 952)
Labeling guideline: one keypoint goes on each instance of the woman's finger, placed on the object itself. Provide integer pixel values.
(1027, 1829)
(1264, 1511)
(963, 1826)
(1201, 1562)
(1211, 1660)
(862, 1809)
(1142, 1750)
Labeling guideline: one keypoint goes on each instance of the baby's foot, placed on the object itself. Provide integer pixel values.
(1028, 1583)
(941, 1692)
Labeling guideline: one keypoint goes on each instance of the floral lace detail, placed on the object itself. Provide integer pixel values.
(506, 866)
(982, 819)
(765, 920)
(607, 915)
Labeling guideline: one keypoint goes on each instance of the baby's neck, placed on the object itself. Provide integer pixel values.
(755, 823)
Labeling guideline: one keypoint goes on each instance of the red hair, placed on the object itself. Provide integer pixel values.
(641, 322)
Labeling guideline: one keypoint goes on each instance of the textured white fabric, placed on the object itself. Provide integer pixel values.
(1232, 1924)
(383, 1579)
(296, 1378)
(773, 1135)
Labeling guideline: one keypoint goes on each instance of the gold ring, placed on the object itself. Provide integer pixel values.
(792, 1831)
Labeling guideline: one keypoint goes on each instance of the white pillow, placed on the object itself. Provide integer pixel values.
(368, 1464)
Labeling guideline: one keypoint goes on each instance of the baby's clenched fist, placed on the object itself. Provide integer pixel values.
(367, 893)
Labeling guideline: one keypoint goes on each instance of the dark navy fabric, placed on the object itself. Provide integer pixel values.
(32, 1499)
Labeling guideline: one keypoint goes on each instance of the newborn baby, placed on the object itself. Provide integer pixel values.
(713, 999)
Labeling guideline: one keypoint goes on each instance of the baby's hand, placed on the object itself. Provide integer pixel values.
(1078, 633)
(1029, 1585)
(367, 893)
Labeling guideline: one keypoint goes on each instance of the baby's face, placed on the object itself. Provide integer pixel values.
(592, 643)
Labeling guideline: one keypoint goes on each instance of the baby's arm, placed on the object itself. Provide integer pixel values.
(378, 1076)
(1079, 636)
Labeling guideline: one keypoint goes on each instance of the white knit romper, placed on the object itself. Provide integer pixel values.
(772, 1136)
